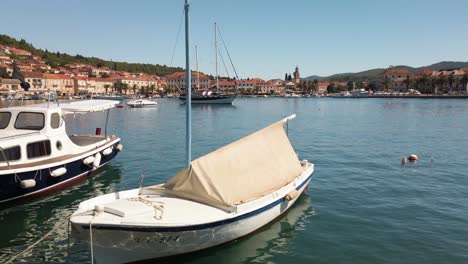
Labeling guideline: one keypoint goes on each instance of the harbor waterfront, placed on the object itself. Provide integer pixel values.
(362, 205)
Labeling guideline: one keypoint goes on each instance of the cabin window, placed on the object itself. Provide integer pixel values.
(38, 149)
(55, 120)
(31, 121)
(4, 119)
(10, 154)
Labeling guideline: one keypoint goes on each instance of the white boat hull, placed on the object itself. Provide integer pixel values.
(119, 244)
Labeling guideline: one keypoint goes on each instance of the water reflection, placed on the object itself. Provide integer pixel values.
(24, 224)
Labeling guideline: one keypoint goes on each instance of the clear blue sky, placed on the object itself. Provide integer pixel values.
(265, 38)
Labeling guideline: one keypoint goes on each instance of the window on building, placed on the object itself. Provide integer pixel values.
(4, 119)
(10, 154)
(55, 120)
(31, 121)
(38, 149)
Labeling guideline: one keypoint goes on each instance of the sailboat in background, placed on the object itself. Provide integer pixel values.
(209, 96)
(219, 197)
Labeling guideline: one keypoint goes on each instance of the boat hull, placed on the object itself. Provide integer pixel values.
(117, 244)
(218, 99)
(11, 190)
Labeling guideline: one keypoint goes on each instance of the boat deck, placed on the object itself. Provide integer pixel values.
(85, 140)
(129, 209)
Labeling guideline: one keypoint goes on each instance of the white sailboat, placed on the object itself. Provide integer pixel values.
(217, 198)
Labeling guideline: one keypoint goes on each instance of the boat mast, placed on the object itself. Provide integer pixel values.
(189, 89)
(198, 72)
(216, 57)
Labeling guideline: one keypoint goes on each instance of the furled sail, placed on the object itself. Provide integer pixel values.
(239, 172)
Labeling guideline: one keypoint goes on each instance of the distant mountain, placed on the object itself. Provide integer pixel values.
(374, 73)
(56, 59)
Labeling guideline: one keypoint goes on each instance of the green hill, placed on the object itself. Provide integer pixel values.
(55, 59)
(374, 73)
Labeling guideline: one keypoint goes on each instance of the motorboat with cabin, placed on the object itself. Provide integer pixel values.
(222, 196)
(37, 156)
(138, 103)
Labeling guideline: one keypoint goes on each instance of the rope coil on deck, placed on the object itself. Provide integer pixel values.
(157, 206)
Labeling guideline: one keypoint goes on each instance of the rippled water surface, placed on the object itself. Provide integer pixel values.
(361, 207)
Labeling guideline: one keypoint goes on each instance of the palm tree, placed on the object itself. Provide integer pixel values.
(423, 81)
(464, 82)
(106, 86)
(407, 82)
(441, 82)
(134, 88)
(450, 81)
(315, 85)
(434, 83)
(386, 83)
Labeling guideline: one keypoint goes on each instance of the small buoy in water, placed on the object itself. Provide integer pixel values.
(403, 161)
(413, 157)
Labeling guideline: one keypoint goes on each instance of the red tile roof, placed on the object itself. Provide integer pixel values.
(31, 74)
(56, 76)
(178, 75)
(397, 71)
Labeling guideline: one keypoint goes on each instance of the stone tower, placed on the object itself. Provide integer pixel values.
(297, 77)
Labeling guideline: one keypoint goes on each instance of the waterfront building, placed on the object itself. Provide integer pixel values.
(392, 74)
(84, 85)
(225, 85)
(104, 85)
(245, 85)
(35, 80)
(322, 87)
(59, 83)
(176, 81)
(9, 85)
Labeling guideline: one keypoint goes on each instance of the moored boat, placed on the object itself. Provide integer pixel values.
(210, 98)
(36, 154)
(219, 197)
(138, 103)
(222, 196)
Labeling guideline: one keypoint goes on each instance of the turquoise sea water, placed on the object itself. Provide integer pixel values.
(362, 206)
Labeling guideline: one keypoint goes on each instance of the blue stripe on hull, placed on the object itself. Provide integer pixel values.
(10, 188)
(201, 226)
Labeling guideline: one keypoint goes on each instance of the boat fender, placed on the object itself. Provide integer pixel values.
(107, 151)
(88, 160)
(292, 195)
(97, 160)
(413, 157)
(119, 147)
(58, 172)
(304, 163)
(27, 184)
